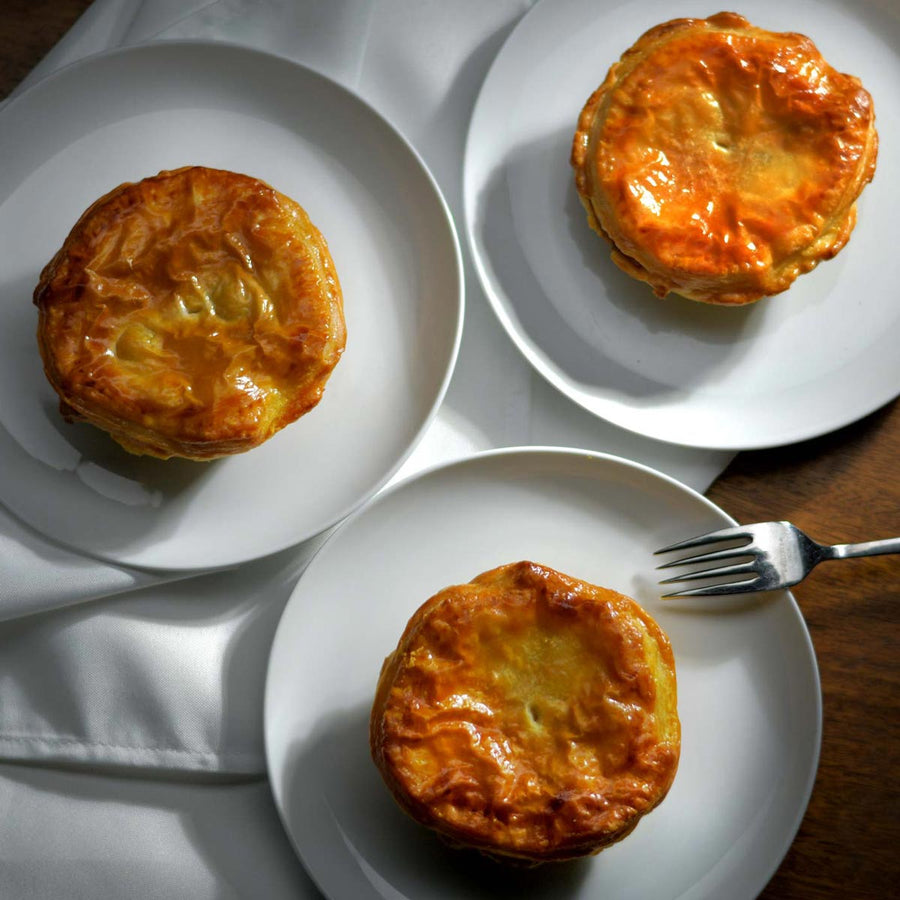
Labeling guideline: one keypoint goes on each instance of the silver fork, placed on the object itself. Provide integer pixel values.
(780, 555)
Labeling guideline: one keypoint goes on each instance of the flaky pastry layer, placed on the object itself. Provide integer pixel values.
(191, 314)
(529, 715)
(721, 160)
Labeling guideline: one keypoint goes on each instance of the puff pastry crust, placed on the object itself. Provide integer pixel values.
(191, 314)
(722, 161)
(528, 715)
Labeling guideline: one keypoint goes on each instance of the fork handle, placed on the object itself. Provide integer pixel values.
(867, 548)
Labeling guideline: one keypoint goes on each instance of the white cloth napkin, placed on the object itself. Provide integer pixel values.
(67, 835)
(148, 678)
(157, 683)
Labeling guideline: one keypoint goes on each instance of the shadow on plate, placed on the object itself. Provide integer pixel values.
(162, 479)
(594, 323)
(30, 415)
(357, 842)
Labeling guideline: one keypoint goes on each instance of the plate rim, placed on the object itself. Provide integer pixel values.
(609, 459)
(453, 251)
(547, 369)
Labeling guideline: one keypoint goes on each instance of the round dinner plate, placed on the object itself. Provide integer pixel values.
(748, 688)
(787, 368)
(128, 114)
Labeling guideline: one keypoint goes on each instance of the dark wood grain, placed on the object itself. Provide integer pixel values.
(28, 29)
(841, 487)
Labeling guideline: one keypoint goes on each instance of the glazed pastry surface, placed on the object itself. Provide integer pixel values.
(192, 314)
(721, 160)
(528, 714)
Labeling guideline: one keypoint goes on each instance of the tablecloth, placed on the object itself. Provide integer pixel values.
(131, 702)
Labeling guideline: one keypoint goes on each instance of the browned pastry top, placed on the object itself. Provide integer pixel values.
(722, 160)
(194, 313)
(528, 714)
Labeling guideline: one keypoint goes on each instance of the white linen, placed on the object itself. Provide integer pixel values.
(421, 65)
(169, 677)
(37, 575)
(410, 63)
(67, 835)
(105, 666)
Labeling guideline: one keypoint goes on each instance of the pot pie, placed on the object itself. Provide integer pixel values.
(192, 314)
(721, 161)
(528, 715)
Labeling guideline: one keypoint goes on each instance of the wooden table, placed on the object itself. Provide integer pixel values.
(841, 487)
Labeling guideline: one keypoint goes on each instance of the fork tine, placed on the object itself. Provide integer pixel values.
(714, 556)
(715, 590)
(716, 572)
(713, 537)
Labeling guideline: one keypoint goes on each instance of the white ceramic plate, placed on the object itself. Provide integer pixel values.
(748, 687)
(129, 114)
(785, 369)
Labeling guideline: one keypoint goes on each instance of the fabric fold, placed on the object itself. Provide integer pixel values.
(105, 665)
(169, 677)
(38, 575)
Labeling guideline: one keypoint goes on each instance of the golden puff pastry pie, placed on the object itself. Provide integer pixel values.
(192, 314)
(528, 715)
(722, 161)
